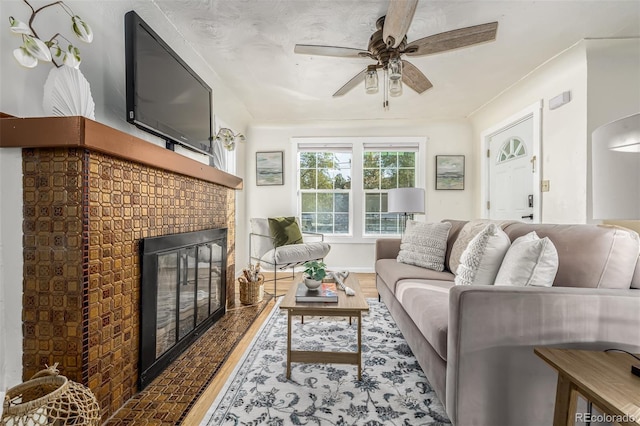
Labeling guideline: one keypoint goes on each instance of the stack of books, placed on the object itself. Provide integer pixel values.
(327, 292)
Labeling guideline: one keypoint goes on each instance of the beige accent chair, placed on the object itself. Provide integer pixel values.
(278, 259)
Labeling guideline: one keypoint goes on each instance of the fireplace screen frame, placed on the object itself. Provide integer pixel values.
(152, 364)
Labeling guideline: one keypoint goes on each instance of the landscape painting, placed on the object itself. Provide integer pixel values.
(269, 168)
(449, 171)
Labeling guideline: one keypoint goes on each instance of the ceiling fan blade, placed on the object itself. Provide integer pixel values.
(341, 52)
(450, 40)
(397, 21)
(357, 79)
(413, 77)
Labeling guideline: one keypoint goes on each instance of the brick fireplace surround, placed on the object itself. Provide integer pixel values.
(90, 194)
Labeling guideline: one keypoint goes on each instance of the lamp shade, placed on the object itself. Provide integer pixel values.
(406, 200)
(615, 169)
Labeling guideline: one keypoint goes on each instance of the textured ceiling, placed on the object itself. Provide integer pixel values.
(249, 43)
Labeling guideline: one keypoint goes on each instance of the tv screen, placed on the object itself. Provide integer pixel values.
(164, 96)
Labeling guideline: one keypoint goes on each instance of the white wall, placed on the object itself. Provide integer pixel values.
(447, 137)
(564, 131)
(613, 84)
(21, 95)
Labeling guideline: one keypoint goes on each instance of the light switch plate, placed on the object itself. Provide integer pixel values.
(544, 187)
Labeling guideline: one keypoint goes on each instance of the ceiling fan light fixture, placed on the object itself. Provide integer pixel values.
(395, 69)
(371, 80)
(395, 88)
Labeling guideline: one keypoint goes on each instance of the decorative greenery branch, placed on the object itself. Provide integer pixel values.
(33, 49)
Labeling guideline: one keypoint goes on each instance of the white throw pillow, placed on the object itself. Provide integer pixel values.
(424, 244)
(531, 260)
(481, 260)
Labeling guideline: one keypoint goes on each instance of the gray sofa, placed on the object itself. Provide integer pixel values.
(475, 343)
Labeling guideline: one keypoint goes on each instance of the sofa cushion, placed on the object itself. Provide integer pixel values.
(391, 271)
(456, 227)
(427, 303)
(483, 256)
(531, 260)
(590, 256)
(424, 244)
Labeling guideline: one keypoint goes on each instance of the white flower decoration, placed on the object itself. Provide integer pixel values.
(34, 49)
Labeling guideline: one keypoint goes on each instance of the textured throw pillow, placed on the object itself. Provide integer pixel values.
(424, 244)
(468, 231)
(284, 231)
(531, 260)
(481, 260)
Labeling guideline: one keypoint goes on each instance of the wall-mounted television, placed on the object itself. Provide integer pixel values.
(165, 96)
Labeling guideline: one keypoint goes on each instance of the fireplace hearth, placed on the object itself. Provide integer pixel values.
(182, 294)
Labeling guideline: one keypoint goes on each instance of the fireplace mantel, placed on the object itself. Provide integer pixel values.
(80, 132)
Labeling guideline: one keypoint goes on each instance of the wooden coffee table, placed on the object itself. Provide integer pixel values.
(347, 306)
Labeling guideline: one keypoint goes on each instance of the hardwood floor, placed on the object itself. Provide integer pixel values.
(197, 413)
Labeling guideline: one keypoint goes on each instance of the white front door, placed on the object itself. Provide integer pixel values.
(511, 167)
(511, 170)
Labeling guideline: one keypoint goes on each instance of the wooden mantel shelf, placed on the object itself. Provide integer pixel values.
(80, 132)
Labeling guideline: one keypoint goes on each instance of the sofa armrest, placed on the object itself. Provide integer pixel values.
(492, 371)
(387, 248)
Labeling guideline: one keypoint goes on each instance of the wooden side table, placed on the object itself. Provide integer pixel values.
(604, 378)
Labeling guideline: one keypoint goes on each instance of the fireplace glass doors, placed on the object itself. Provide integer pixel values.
(183, 293)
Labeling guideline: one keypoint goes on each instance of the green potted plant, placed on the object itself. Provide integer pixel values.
(314, 272)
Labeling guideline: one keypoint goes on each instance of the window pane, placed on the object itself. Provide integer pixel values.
(325, 202)
(308, 222)
(371, 179)
(308, 160)
(342, 203)
(325, 181)
(325, 223)
(389, 178)
(325, 160)
(308, 202)
(389, 159)
(389, 223)
(342, 223)
(406, 178)
(307, 178)
(372, 223)
(407, 159)
(372, 203)
(372, 159)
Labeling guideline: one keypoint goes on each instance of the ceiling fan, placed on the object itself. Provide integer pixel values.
(389, 43)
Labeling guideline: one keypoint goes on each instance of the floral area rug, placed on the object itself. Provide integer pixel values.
(393, 389)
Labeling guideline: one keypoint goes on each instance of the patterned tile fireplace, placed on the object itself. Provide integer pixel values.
(91, 194)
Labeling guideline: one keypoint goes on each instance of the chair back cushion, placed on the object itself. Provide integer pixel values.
(260, 245)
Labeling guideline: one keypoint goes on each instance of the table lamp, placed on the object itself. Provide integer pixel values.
(406, 201)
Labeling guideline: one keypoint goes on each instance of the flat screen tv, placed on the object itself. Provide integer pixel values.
(164, 96)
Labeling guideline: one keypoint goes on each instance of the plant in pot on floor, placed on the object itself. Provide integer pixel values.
(314, 272)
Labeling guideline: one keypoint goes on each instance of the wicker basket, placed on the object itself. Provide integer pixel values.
(50, 399)
(251, 292)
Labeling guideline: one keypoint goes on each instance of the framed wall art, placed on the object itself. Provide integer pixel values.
(270, 168)
(450, 172)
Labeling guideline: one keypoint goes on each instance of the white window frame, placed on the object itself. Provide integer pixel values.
(356, 199)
